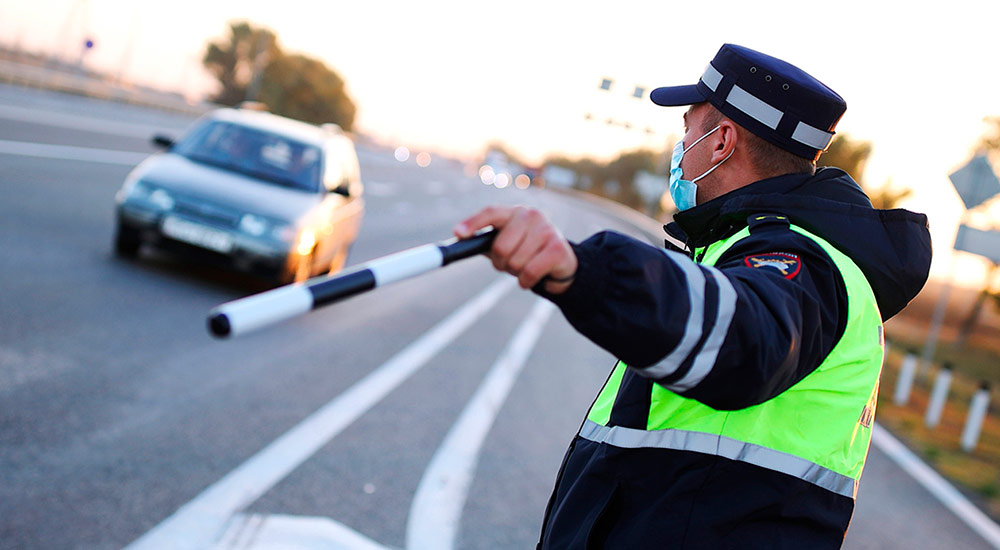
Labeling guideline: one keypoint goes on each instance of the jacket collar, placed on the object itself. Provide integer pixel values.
(723, 216)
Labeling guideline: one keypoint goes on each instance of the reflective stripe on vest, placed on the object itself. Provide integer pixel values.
(818, 430)
(682, 440)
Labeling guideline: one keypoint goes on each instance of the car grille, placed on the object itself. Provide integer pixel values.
(210, 213)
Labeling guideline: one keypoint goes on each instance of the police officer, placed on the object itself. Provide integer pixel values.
(740, 412)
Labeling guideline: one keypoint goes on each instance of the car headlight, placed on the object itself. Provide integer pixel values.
(161, 199)
(253, 225)
(138, 190)
(307, 240)
(133, 188)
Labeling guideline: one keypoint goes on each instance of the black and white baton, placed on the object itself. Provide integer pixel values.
(279, 304)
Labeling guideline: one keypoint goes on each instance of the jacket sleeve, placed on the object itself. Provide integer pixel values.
(729, 336)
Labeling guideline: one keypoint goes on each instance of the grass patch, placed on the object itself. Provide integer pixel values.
(975, 473)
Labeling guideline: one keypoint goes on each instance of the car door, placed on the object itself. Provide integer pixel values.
(343, 205)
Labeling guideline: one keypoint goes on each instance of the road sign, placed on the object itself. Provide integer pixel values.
(975, 182)
(978, 241)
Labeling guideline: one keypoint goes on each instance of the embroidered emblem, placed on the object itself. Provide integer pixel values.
(788, 264)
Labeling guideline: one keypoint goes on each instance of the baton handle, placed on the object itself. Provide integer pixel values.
(285, 302)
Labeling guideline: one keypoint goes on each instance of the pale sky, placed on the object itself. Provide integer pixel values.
(918, 77)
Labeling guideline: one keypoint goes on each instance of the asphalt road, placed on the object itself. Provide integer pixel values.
(121, 420)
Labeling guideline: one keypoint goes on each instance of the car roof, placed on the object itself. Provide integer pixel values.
(301, 131)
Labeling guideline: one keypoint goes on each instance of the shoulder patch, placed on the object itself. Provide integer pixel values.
(757, 222)
(788, 264)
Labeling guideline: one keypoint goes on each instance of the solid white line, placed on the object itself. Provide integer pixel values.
(70, 152)
(76, 122)
(941, 489)
(280, 531)
(436, 511)
(202, 521)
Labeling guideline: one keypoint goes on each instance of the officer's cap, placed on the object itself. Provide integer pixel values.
(773, 99)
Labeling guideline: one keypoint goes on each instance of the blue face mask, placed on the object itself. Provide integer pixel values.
(684, 192)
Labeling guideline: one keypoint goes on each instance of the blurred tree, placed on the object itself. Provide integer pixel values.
(614, 179)
(847, 154)
(232, 60)
(990, 141)
(624, 169)
(851, 156)
(499, 147)
(304, 88)
(249, 64)
(887, 195)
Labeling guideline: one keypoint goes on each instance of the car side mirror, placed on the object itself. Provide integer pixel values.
(349, 189)
(163, 142)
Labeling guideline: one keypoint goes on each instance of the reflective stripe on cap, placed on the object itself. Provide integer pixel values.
(711, 78)
(756, 108)
(767, 115)
(811, 136)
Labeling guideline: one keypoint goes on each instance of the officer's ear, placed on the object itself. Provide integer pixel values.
(725, 143)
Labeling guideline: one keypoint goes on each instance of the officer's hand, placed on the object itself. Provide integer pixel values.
(527, 246)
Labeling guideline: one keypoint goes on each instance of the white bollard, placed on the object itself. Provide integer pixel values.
(977, 414)
(939, 396)
(905, 381)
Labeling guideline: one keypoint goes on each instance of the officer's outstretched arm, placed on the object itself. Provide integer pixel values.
(730, 336)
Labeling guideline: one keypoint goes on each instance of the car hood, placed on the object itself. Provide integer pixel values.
(188, 178)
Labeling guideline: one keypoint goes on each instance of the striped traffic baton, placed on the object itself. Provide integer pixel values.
(279, 304)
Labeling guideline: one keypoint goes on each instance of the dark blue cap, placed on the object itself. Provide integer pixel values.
(773, 99)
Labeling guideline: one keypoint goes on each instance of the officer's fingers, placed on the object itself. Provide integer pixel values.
(511, 237)
(530, 246)
(534, 271)
(497, 216)
(539, 233)
(557, 260)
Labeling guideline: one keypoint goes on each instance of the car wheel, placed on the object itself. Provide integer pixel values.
(127, 242)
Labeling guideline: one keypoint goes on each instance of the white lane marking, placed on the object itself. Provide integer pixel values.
(436, 511)
(69, 152)
(933, 482)
(76, 122)
(202, 521)
(279, 531)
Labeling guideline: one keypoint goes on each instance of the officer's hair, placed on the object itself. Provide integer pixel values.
(769, 159)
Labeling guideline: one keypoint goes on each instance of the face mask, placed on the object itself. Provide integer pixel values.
(682, 191)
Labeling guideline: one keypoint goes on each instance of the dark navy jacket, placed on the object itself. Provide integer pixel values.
(783, 328)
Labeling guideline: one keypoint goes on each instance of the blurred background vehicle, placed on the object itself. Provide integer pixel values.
(257, 192)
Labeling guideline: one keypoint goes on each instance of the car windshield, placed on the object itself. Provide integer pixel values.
(259, 154)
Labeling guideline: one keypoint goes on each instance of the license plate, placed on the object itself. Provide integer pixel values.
(197, 234)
